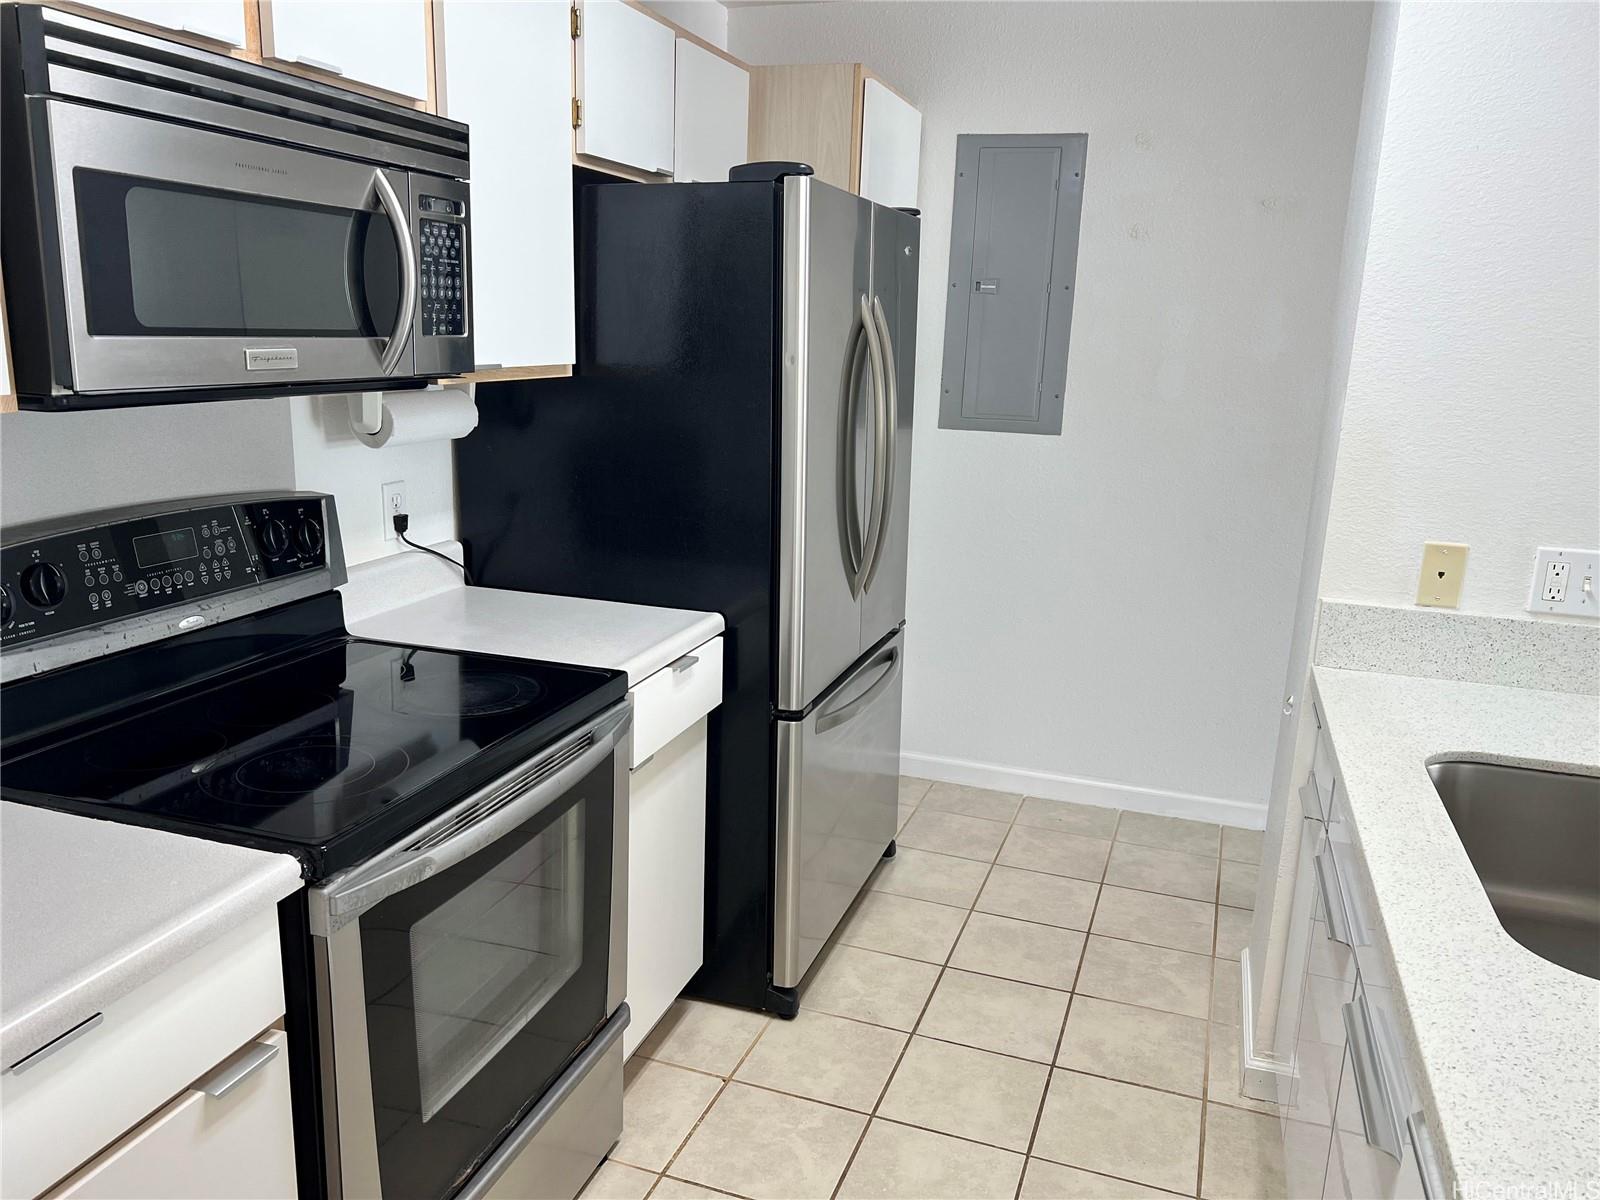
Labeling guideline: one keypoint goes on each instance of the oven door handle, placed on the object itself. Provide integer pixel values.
(398, 217)
(481, 819)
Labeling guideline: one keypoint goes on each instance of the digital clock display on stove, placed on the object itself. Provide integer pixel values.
(168, 546)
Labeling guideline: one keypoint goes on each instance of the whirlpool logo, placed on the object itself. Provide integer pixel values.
(244, 166)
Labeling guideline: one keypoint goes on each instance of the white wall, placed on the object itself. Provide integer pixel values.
(328, 457)
(1115, 605)
(55, 464)
(1474, 406)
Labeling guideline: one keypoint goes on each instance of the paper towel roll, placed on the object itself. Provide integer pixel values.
(429, 416)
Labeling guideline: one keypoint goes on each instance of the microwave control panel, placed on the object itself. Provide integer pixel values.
(70, 581)
(441, 302)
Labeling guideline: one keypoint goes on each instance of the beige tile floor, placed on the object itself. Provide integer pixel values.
(1033, 999)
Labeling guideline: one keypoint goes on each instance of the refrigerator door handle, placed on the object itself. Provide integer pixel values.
(889, 420)
(855, 550)
(880, 447)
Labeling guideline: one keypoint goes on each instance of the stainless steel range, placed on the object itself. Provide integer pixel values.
(455, 969)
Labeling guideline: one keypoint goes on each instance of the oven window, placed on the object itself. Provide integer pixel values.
(168, 259)
(481, 983)
(488, 959)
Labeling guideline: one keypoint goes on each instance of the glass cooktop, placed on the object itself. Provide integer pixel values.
(325, 754)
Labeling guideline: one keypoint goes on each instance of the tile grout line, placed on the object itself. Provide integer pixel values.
(927, 1001)
(1205, 1080)
(944, 967)
(1061, 1034)
(705, 1112)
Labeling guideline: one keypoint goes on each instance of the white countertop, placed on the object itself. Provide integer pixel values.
(1508, 1043)
(91, 909)
(417, 600)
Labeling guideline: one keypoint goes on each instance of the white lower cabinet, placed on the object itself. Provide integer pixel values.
(150, 1045)
(230, 1135)
(667, 833)
(666, 878)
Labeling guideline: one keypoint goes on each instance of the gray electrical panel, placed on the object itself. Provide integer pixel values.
(1013, 262)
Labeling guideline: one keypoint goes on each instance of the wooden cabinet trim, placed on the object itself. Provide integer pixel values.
(686, 35)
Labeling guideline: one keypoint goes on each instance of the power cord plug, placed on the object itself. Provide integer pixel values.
(402, 522)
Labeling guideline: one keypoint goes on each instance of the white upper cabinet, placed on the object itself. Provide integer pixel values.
(383, 43)
(625, 66)
(507, 70)
(891, 147)
(711, 118)
(216, 20)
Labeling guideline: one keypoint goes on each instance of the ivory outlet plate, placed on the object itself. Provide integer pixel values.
(1444, 565)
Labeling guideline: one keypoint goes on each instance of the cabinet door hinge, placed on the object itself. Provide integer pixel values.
(577, 112)
(577, 22)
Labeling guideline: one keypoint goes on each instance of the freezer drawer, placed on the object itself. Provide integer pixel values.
(838, 772)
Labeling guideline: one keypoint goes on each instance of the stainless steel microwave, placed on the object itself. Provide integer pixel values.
(180, 225)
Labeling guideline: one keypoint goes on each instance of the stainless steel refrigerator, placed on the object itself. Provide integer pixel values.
(737, 437)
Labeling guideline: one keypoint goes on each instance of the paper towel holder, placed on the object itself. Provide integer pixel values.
(366, 412)
(367, 408)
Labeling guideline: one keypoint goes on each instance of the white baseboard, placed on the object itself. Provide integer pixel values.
(1259, 1076)
(1240, 813)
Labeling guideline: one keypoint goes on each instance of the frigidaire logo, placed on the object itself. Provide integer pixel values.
(259, 167)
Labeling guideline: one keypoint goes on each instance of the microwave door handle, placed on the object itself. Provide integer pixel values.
(401, 333)
(478, 821)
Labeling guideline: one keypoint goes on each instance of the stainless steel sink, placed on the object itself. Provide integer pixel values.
(1534, 839)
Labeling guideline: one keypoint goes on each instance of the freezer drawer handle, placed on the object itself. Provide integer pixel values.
(833, 718)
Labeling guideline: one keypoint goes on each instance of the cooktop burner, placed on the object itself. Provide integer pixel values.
(323, 751)
(477, 691)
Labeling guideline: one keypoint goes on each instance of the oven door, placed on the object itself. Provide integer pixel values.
(460, 972)
(195, 259)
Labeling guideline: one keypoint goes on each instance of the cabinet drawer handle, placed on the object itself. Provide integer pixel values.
(35, 1057)
(237, 1069)
(684, 663)
(1332, 901)
(1372, 1094)
(1311, 799)
(1433, 1187)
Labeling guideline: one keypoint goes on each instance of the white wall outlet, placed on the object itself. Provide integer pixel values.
(394, 501)
(1565, 581)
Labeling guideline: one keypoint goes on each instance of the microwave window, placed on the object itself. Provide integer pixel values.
(167, 259)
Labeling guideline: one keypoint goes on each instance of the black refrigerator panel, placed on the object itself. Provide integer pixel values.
(648, 477)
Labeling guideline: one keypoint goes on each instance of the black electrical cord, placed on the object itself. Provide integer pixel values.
(402, 522)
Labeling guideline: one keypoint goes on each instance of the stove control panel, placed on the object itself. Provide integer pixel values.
(61, 582)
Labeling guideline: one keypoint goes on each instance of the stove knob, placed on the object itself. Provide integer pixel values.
(309, 535)
(44, 585)
(8, 608)
(274, 537)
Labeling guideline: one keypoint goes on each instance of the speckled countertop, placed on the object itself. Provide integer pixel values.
(1508, 1043)
(91, 909)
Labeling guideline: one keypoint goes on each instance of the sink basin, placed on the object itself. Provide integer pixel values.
(1534, 839)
